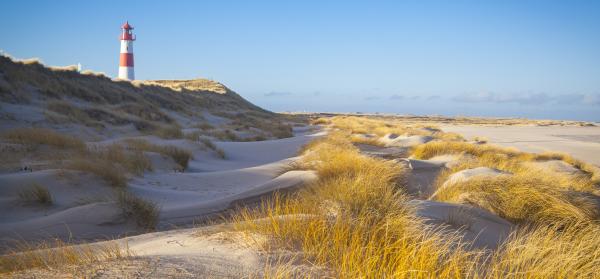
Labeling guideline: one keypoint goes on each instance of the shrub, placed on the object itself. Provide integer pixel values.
(144, 212)
(37, 194)
(42, 136)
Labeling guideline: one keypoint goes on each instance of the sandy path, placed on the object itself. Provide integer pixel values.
(581, 142)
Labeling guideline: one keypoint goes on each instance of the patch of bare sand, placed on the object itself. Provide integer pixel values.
(209, 252)
(580, 142)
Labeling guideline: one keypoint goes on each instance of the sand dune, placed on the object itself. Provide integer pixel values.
(84, 208)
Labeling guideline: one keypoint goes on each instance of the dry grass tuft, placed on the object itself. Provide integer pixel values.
(524, 198)
(134, 161)
(107, 170)
(36, 193)
(354, 220)
(169, 132)
(226, 135)
(211, 145)
(358, 127)
(112, 163)
(510, 160)
(144, 212)
(57, 254)
(549, 252)
(37, 136)
(180, 156)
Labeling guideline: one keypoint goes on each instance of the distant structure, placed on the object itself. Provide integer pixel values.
(126, 61)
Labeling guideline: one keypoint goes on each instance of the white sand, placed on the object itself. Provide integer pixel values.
(485, 229)
(581, 142)
(85, 209)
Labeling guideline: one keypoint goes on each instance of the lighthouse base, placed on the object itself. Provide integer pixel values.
(126, 73)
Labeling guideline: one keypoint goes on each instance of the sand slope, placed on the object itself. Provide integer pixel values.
(84, 206)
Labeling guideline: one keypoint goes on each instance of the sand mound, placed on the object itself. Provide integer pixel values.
(485, 229)
(467, 174)
(381, 152)
(557, 166)
(422, 176)
(404, 141)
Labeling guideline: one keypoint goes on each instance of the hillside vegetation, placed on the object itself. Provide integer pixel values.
(32, 94)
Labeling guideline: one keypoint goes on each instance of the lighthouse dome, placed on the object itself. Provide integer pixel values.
(126, 26)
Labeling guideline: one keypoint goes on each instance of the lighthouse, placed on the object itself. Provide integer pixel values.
(126, 60)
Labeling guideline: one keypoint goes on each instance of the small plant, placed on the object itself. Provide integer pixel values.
(36, 193)
(144, 212)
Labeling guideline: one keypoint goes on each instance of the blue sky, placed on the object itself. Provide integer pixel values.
(538, 59)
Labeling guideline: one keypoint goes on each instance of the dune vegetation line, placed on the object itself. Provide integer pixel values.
(357, 222)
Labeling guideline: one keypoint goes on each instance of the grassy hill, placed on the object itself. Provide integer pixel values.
(93, 106)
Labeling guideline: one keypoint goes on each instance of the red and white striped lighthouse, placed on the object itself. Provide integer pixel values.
(126, 61)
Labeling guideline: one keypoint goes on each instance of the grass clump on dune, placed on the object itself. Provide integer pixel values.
(169, 132)
(36, 193)
(354, 219)
(179, 155)
(144, 212)
(523, 198)
(549, 252)
(56, 254)
(104, 169)
(112, 163)
(134, 161)
(510, 160)
(526, 195)
(376, 127)
(38, 136)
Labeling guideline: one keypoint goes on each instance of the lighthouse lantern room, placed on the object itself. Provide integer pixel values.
(126, 60)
